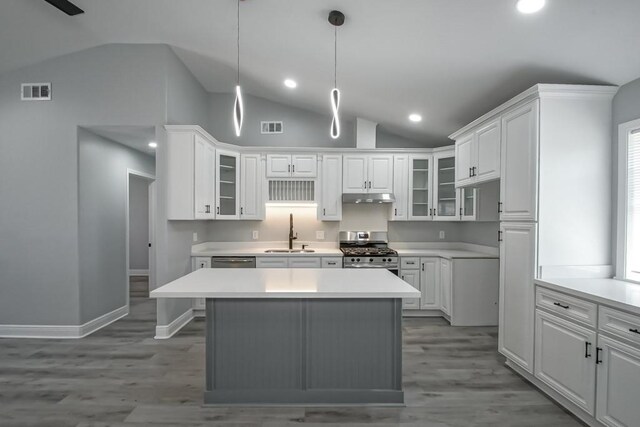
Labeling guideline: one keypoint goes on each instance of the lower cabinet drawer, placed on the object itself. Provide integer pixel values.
(272, 262)
(620, 324)
(409, 263)
(576, 309)
(332, 262)
(305, 262)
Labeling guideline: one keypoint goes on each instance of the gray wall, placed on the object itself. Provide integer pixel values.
(302, 128)
(102, 206)
(386, 139)
(139, 222)
(107, 85)
(626, 107)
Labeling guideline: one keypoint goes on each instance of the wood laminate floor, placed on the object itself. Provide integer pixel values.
(121, 376)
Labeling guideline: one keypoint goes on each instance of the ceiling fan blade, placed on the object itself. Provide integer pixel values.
(66, 6)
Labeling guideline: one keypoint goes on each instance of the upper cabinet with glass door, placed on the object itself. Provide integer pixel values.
(227, 179)
(445, 196)
(420, 173)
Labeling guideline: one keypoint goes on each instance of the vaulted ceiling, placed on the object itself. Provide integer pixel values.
(450, 60)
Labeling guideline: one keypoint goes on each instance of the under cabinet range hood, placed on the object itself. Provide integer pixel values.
(368, 198)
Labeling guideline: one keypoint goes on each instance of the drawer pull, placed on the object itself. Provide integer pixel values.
(635, 331)
(411, 262)
(598, 351)
(331, 263)
(561, 305)
(587, 354)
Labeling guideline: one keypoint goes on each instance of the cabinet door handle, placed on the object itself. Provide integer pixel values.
(289, 168)
(474, 171)
(207, 208)
(423, 266)
(587, 354)
(460, 212)
(365, 185)
(396, 211)
(635, 331)
(566, 307)
(218, 210)
(369, 184)
(598, 359)
(499, 236)
(470, 169)
(241, 210)
(293, 168)
(499, 207)
(324, 211)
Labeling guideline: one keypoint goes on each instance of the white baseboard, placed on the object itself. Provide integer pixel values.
(167, 331)
(63, 331)
(133, 272)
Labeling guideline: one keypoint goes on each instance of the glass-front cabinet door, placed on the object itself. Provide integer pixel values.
(445, 196)
(227, 180)
(467, 204)
(420, 176)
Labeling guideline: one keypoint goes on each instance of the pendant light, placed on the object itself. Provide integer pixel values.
(238, 108)
(336, 18)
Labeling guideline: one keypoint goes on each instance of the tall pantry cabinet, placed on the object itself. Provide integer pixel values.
(555, 196)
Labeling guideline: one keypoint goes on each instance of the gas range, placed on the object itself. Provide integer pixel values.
(367, 249)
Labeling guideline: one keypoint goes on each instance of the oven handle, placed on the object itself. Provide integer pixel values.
(387, 267)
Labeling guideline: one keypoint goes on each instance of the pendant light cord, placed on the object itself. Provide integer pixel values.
(335, 56)
(238, 44)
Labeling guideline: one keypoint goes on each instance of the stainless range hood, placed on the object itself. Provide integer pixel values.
(368, 198)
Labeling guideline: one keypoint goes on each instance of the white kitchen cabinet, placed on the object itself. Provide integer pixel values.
(272, 262)
(292, 166)
(420, 178)
(430, 283)
(251, 183)
(204, 178)
(445, 196)
(332, 262)
(564, 359)
(371, 173)
(412, 277)
(330, 208)
(190, 175)
(519, 163)
(228, 184)
(445, 286)
(517, 270)
(478, 155)
(305, 262)
(468, 202)
(400, 188)
(618, 383)
(464, 150)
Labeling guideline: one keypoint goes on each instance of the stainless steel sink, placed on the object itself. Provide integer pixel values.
(289, 251)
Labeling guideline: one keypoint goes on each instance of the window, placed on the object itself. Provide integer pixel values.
(629, 217)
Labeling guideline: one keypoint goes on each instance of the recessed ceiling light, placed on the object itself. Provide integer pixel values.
(415, 117)
(530, 6)
(153, 144)
(290, 83)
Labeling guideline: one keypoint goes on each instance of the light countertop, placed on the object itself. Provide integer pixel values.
(287, 283)
(261, 252)
(611, 292)
(444, 253)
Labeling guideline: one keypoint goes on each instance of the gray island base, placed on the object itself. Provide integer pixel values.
(304, 351)
(308, 336)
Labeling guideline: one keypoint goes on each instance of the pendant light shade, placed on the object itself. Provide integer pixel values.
(238, 107)
(336, 18)
(335, 105)
(238, 111)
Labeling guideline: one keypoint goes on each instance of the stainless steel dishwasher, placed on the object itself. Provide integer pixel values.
(233, 262)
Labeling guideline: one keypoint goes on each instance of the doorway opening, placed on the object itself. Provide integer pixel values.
(140, 226)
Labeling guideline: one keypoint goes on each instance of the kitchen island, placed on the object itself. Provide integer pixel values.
(299, 336)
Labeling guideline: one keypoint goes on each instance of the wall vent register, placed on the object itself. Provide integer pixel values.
(271, 127)
(35, 91)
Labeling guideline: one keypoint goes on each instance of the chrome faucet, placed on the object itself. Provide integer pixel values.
(291, 236)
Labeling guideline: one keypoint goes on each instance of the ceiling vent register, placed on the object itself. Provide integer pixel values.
(271, 127)
(281, 190)
(35, 91)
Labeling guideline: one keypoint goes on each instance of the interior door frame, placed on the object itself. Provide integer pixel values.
(151, 179)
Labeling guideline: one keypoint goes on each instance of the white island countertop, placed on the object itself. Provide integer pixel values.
(287, 283)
